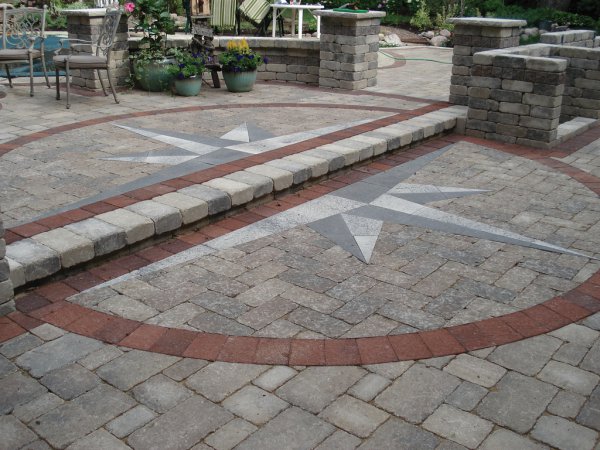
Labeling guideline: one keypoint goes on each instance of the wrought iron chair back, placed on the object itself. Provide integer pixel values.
(83, 54)
(23, 35)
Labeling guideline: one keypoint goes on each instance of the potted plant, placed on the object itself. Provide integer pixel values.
(187, 72)
(150, 63)
(239, 64)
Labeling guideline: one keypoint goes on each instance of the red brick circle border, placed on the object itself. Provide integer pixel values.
(47, 304)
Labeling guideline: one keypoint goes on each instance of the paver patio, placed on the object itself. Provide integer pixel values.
(326, 318)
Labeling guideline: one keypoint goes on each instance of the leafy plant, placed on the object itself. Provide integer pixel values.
(239, 57)
(187, 65)
(153, 19)
(421, 19)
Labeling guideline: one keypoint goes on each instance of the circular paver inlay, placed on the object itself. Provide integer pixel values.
(442, 245)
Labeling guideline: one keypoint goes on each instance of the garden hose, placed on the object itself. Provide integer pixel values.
(402, 58)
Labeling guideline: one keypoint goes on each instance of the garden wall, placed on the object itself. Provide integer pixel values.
(572, 38)
(521, 94)
(289, 59)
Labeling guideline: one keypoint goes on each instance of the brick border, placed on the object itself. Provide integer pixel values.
(47, 304)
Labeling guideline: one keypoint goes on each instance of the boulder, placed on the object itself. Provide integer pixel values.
(393, 39)
(445, 33)
(428, 34)
(438, 41)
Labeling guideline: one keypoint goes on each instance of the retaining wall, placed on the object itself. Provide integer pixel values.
(572, 38)
(520, 95)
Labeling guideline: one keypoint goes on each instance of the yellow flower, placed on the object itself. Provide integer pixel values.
(240, 46)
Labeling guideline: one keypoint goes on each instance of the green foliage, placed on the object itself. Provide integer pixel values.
(186, 65)
(534, 16)
(57, 21)
(239, 57)
(154, 20)
(395, 20)
(587, 8)
(440, 21)
(421, 19)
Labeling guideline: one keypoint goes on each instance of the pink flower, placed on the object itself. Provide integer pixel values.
(129, 7)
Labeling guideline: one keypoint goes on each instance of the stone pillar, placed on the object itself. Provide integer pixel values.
(349, 46)
(6, 287)
(85, 24)
(472, 35)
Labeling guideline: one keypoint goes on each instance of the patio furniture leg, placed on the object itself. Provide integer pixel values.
(102, 82)
(68, 75)
(112, 88)
(8, 75)
(57, 86)
(45, 71)
(30, 76)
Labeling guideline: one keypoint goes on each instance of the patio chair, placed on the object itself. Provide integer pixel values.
(23, 40)
(260, 13)
(225, 14)
(80, 55)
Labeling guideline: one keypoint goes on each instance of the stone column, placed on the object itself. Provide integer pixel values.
(85, 24)
(349, 46)
(472, 35)
(6, 287)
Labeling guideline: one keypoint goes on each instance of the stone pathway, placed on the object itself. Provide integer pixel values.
(264, 330)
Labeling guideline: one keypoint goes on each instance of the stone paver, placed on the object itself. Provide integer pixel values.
(61, 390)
(517, 402)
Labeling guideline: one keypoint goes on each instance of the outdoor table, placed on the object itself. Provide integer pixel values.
(300, 9)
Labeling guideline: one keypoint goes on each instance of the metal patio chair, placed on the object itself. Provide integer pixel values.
(81, 55)
(23, 40)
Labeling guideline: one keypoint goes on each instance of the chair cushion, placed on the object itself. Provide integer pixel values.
(255, 10)
(16, 54)
(80, 61)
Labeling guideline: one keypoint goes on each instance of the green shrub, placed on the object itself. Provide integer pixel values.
(421, 20)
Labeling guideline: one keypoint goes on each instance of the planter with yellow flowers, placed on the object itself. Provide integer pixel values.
(239, 63)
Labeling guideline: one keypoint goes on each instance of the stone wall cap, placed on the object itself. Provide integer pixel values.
(87, 12)
(349, 15)
(487, 22)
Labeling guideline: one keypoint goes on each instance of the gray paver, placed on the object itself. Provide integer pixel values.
(184, 368)
(106, 237)
(340, 440)
(459, 426)
(37, 407)
(73, 420)
(130, 421)
(502, 439)
(72, 248)
(566, 404)
(354, 416)
(416, 394)
(19, 345)
(219, 380)
(528, 356)
(37, 260)
(368, 387)
(134, 367)
(14, 433)
(165, 217)
(475, 370)
(313, 389)
(274, 377)
(17, 389)
(230, 434)
(517, 402)
(293, 429)
(590, 413)
(563, 434)
(160, 393)
(47, 332)
(70, 381)
(182, 427)
(396, 434)
(98, 440)
(569, 377)
(467, 396)
(254, 405)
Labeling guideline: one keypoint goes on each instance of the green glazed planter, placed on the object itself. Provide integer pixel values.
(239, 81)
(153, 76)
(188, 87)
